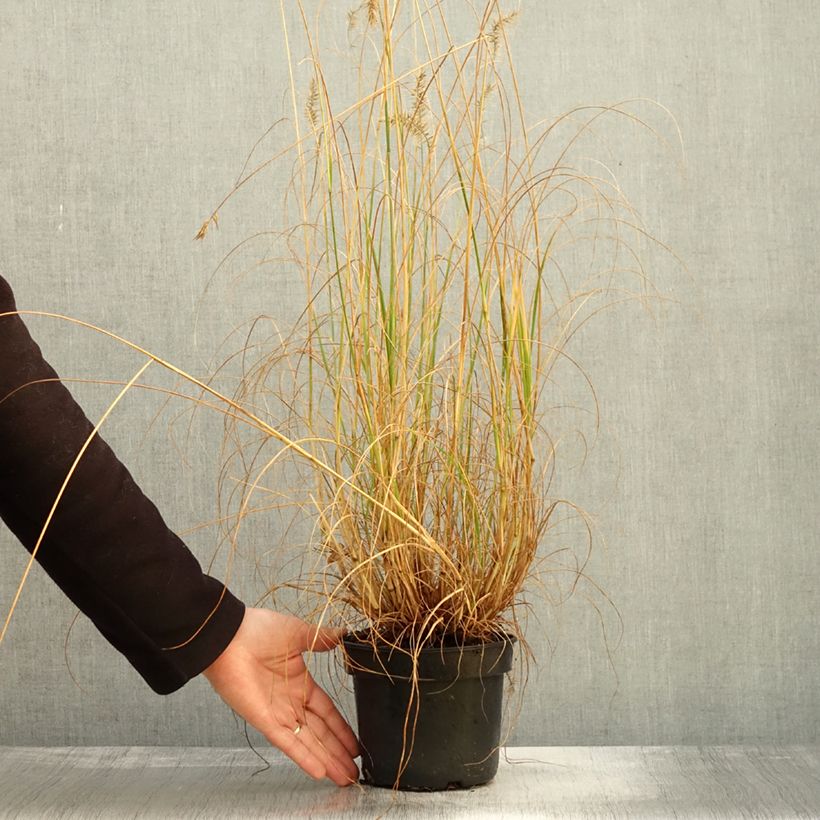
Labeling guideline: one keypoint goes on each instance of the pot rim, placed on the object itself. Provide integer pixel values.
(430, 663)
(349, 640)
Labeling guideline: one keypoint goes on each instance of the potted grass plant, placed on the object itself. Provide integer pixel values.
(430, 225)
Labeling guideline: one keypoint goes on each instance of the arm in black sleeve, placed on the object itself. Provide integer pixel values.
(107, 546)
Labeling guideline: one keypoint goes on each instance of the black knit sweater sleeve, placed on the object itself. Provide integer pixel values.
(107, 546)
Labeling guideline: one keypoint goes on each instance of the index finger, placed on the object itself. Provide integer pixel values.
(319, 703)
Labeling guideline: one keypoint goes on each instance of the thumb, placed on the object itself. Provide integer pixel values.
(322, 638)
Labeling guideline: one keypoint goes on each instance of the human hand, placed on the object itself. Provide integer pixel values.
(261, 675)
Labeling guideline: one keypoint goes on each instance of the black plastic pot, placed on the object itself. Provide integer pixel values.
(457, 713)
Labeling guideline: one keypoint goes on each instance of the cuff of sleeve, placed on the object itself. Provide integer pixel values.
(172, 668)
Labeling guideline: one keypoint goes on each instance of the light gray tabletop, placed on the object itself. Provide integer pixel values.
(544, 782)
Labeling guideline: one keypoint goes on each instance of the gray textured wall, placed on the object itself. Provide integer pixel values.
(123, 124)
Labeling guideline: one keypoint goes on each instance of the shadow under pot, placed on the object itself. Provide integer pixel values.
(456, 710)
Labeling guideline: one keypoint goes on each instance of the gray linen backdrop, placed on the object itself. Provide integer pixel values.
(123, 124)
